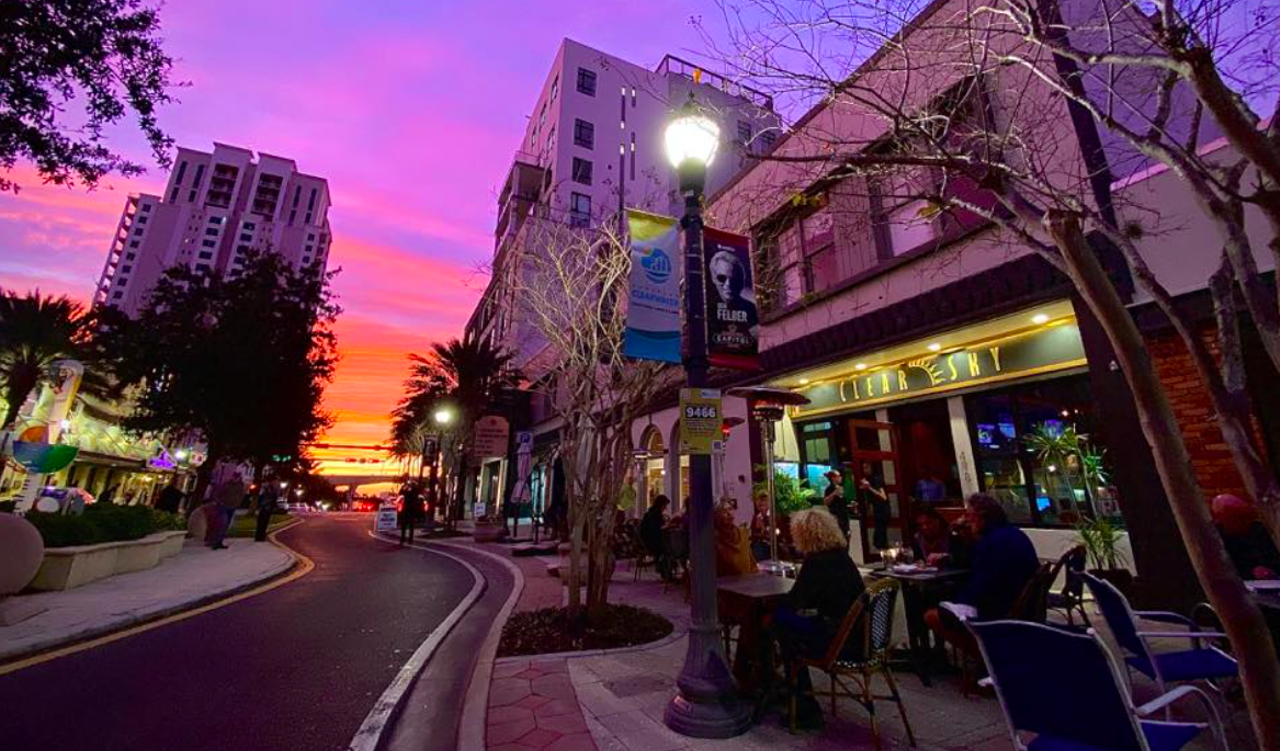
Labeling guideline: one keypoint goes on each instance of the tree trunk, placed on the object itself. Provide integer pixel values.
(1242, 619)
(576, 526)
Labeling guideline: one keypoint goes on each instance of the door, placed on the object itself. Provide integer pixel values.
(874, 458)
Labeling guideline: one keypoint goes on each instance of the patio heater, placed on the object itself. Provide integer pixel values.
(768, 406)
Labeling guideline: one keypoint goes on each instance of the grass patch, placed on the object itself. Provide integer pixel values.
(245, 526)
(552, 630)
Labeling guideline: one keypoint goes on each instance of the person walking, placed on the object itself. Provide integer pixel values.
(268, 503)
(170, 499)
(411, 510)
(227, 497)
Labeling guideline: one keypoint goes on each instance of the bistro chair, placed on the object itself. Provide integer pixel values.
(1200, 663)
(1061, 690)
(1070, 599)
(859, 652)
(1032, 606)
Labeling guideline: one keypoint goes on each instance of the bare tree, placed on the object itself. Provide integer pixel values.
(571, 284)
(964, 117)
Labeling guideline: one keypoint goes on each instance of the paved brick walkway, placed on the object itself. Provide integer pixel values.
(533, 705)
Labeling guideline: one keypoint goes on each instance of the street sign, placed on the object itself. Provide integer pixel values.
(700, 413)
(386, 520)
(491, 434)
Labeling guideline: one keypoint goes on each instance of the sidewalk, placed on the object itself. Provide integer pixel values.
(194, 576)
(620, 697)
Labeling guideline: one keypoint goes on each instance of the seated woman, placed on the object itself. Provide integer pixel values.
(733, 545)
(934, 543)
(826, 588)
(1003, 562)
(651, 534)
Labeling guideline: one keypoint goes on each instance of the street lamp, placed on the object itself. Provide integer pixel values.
(443, 416)
(706, 705)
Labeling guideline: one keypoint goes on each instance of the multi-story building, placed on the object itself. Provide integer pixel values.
(215, 208)
(593, 147)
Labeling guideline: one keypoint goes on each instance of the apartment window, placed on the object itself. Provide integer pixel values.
(311, 237)
(130, 256)
(211, 231)
(293, 215)
(204, 255)
(246, 238)
(584, 134)
(309, 249)
(242, 249)
(582, 169)
(250, 226)
(744, 133)
(586, 82)
(555, 89)
(579, 209)
(633, 155)
(137, 232)
(173, 195)
(126, 268)
(134, 243)
(216, 219)
(311, 202)
(117, 294)
(195, 183)
(146, 209)
(210, 243)
(182, 170)
(803, 259)
(202, 267)
(767, 139)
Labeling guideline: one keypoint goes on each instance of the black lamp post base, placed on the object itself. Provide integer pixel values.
(722, 717)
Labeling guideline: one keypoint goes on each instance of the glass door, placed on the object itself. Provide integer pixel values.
(876, 475)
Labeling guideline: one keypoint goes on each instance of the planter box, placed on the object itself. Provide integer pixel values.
(71, 567)
(489, 532)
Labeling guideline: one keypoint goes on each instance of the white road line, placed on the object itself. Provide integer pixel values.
(370, 732)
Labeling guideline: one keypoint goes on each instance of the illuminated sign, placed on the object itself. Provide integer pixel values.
(1038, 351)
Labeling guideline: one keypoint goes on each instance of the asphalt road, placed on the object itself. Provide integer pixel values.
(298, 667)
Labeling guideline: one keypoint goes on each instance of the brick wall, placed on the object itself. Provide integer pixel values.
(1210, 457)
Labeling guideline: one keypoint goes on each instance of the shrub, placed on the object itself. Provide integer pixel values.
(65, 530)
(121, 522)
(167, 522)
(7, 507)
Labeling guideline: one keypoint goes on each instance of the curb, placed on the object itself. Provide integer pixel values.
(475, 707)
(387, 709)
(11, 662)
(677, 633)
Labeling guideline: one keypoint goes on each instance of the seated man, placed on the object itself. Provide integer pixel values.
(1246, 540)
(1003, 562)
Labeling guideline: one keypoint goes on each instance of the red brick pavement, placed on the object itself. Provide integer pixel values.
(533, 707)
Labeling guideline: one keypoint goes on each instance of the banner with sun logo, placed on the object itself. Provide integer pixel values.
(653, 302)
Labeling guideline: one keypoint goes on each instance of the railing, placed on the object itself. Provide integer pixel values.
(684, 68)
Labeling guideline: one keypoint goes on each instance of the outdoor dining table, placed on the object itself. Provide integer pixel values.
(920, 589)
(744, 601)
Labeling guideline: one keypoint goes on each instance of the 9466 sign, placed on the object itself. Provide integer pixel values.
(700, 421)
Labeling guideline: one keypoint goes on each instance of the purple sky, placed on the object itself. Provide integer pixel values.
(412, 110)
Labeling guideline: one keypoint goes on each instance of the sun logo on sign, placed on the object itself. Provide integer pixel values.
(656, 265)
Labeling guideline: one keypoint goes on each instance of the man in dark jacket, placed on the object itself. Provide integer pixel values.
(1003, 562)
(651, 533)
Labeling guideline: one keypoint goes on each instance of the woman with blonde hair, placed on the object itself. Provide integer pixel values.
(826, 588)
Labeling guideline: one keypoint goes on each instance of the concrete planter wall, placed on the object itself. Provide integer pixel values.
(488, 532)
(71, 567)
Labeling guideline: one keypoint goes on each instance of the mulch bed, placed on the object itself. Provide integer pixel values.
(552, 630)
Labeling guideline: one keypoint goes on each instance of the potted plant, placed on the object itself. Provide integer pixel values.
(489, 529)
(1101, 541)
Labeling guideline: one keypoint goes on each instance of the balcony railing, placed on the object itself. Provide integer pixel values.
(684, 68)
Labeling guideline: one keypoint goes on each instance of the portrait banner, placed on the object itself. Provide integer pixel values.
(733, 321)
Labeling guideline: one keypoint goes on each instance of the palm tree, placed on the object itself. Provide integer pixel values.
(471, 374)
(35, 332)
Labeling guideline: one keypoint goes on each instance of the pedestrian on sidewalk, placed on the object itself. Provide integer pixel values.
(411, 510)
(227, 497)
(268, 502)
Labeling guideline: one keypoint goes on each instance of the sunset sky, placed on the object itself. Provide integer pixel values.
(412, 110)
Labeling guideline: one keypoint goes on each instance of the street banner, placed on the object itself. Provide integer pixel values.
(653, 302)
(700, 423)
(491, 433)
(733, 323)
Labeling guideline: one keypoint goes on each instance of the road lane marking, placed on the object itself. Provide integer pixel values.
(302, 567)
(384, 710)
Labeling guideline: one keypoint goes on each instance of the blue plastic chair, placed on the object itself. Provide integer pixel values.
(1063, 691)
(1200, 663)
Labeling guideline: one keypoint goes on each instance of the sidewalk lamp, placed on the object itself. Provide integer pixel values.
(706, 704)
(443, 416)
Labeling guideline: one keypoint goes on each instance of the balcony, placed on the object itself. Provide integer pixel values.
(675, 66)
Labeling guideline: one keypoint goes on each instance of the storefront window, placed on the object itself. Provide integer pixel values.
(1037, 453)
(816, 450)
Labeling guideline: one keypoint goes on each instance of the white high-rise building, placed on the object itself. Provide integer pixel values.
(216, 207)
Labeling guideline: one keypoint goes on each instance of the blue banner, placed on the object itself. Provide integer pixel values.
(653, 302)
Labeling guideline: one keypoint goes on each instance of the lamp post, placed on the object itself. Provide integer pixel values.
(706, 705)
(442, 418)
